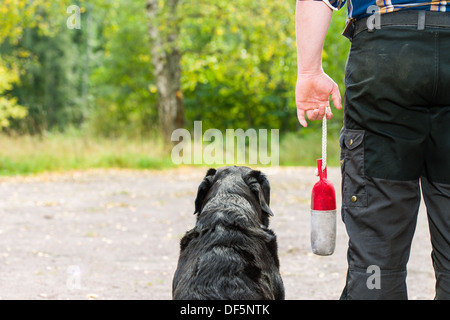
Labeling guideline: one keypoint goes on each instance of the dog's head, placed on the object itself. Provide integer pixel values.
(245, 182)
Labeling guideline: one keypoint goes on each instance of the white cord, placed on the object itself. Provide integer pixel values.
(324, 141)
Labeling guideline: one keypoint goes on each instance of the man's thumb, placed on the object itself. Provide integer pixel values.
(336, 97)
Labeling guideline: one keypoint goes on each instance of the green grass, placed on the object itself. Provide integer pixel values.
(26, 155)
(59, 152)
(297, 150)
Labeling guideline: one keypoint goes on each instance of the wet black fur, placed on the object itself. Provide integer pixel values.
(231, 253)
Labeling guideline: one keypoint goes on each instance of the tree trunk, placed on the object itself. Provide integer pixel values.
(164, 30)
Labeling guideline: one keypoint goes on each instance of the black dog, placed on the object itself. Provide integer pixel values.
(231, 253)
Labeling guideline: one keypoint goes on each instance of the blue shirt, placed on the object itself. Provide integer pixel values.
(358, 9)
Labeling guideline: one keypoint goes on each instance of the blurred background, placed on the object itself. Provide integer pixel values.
(102, 84)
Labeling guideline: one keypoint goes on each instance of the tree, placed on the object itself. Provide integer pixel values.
(17, 17)
(50, 81)
(122, 82)
(164, 30)
(15, 14)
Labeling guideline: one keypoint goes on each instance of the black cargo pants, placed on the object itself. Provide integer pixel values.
(396, 138)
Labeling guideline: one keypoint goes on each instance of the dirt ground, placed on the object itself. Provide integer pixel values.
(115, 235)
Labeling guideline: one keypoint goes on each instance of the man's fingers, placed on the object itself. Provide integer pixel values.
(318, 113)
(321, 112)
(329, 115)
(301, 117)
(312, 114)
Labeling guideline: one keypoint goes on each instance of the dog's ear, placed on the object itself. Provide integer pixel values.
(259, 185)
(203, 190)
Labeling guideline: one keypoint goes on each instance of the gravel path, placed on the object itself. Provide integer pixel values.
(114, 235)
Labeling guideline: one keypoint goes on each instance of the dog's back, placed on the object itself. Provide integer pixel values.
(230, 254)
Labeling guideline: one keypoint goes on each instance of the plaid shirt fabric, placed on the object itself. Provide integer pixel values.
(358, 9)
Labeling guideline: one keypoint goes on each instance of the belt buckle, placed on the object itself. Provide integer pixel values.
(349, 29)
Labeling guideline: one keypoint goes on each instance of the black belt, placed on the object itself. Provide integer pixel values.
(414, 18)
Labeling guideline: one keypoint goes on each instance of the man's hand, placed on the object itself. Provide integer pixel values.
(312, 95)
(314, 87)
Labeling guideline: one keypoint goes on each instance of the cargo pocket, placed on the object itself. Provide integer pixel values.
(352, 167)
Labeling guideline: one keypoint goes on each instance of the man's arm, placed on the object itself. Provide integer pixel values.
(314, 87)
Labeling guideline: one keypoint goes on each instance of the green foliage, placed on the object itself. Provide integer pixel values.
(50, 83)
(17, 16)
(240, 64)
(238, 69)
(122, 82)
(9, 109)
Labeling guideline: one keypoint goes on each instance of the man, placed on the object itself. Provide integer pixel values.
(396, 134)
